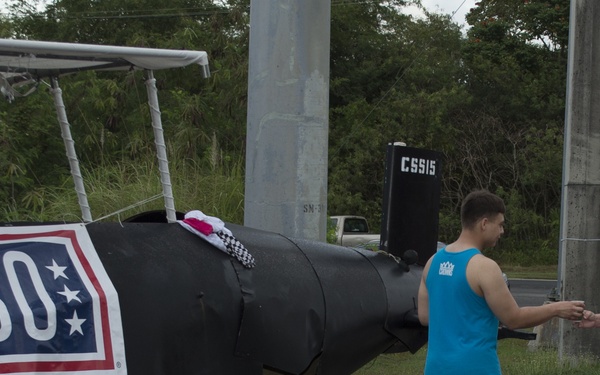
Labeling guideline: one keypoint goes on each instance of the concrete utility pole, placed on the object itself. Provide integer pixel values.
(579, 267)
(288, 117)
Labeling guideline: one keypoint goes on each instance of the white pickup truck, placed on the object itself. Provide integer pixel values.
(352, 230)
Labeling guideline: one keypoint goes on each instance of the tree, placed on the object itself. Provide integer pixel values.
(400, 80)
(510, 136)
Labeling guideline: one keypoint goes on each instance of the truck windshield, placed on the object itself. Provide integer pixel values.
(355, 225)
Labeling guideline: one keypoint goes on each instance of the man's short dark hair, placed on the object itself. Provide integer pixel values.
(480, 204)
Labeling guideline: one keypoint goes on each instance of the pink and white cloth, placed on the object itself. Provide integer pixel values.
(212, 229)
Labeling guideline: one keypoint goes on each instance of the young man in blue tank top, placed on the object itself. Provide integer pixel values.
(463, 295)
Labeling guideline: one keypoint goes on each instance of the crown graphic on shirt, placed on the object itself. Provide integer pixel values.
(446, 269)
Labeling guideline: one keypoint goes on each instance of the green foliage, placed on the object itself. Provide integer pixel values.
(331, 236)
(383, 89)
(492, 101)
(5, 26)
(509, 137)
(535, 21)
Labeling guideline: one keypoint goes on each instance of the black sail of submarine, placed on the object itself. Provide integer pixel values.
(306, 308)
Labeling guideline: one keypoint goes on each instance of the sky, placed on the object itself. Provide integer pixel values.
(449, 7)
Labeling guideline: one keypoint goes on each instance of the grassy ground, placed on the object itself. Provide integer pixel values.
(533, 272)
(515, 359)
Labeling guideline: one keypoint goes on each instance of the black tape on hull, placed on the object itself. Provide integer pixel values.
(179, 298)
(307, 307)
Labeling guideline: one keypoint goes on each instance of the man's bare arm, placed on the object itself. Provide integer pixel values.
(423, 302)
(504, 306)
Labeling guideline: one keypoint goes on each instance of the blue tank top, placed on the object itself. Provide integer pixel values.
(463, 331)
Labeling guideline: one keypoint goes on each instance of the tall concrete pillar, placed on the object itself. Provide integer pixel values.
(579, 271)
(288, 107)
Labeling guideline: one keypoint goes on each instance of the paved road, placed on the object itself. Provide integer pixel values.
(529, 292)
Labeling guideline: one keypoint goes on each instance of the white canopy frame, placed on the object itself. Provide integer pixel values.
(24, 60)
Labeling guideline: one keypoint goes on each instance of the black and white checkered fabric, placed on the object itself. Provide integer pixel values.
(236, 249)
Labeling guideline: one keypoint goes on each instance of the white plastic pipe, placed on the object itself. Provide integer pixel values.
(70, 148)
(161, 149)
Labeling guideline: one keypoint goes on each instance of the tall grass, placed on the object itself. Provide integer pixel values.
(217, 190)
(515, 359)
